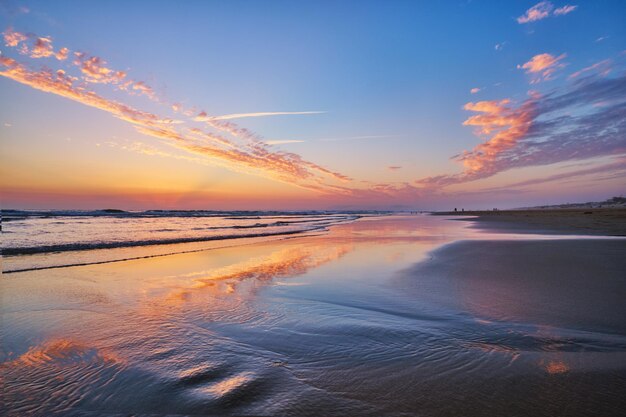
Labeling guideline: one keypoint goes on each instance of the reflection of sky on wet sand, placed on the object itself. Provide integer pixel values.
(292, 326)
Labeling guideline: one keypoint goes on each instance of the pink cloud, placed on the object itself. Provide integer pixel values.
(95, 70)
(144, 89)
(562, 125)
(252, 157)
(537, 12)
(544, 10)
(474, 90)
(62, 54)
(503, 125)
(42, 48)
(13, 38)
(543, 66)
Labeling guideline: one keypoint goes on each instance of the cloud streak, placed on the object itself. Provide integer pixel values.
(282, 142)
(564, 10)
(617, 166)
(602, 67)
(258, 114)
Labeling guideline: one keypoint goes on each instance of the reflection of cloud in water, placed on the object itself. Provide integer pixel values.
(51, 376)
(61, 351)
(285, 263)
(228, 385)
(555, 367)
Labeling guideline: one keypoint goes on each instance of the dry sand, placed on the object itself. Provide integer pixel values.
(598, 221)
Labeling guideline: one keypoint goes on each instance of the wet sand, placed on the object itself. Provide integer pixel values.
(567, 294)
(592, 221)
(570, 283)
(395, 316)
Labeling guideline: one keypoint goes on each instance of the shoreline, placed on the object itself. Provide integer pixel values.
(569, 223)
(236, 242)
(77, 247)
(594, 222)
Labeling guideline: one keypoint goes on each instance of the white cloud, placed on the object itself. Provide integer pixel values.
(281, 142)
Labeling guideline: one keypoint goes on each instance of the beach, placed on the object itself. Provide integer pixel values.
(398, 315)
(585, 221)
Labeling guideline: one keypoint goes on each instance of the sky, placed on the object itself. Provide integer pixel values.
(290, 105)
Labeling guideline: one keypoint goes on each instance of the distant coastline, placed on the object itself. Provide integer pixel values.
(583, 221)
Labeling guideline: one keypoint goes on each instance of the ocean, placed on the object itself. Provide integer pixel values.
(56, 238)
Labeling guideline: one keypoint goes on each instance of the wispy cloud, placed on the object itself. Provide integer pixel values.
(475, 90)
(242, 151)
(139, 86)
(544, 10)
(617, 165)
(543, 66)
(564, 10)
(11, 9)
(32, 45)
(338, 139)
(545, 129)
(282, 142)
(602, 38)
(538, 12)
(394, 168)
(13, 38)
(602, 67)
(95, 69)
(149, 150)
(499, 46)
(205, 117)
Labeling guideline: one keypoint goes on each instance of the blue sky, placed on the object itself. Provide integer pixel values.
(391, 79)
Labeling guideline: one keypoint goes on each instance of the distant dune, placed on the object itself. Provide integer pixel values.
(615, 202)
